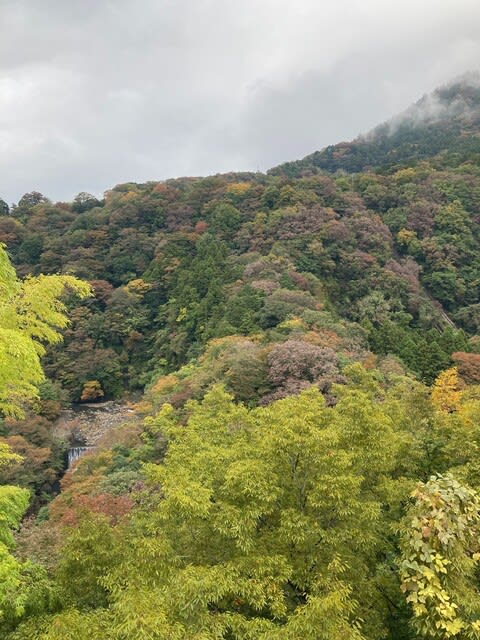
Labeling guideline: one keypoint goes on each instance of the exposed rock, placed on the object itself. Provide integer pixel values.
(85, 424)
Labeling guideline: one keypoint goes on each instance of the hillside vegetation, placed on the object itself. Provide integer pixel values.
(304, 347)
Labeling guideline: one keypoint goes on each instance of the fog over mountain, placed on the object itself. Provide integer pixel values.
(94, 92)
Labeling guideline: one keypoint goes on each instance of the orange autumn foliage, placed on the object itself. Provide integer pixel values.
(468, 365)
(112, 507)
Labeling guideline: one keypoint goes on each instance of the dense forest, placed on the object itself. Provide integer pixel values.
(302, 348)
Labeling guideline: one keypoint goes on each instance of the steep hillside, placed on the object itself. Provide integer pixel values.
(384, 262)
(308, 462)
(176, 264)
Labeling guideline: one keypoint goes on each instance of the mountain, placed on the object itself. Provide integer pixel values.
(388, 259)
(446, 122)
(305, 349)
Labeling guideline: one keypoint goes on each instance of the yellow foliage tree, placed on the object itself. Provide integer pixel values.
(406, 237)
(446, 393)
(31, 315)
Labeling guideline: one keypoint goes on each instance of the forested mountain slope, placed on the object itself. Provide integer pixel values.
(308, 463)
(177, 263)
(266, 283)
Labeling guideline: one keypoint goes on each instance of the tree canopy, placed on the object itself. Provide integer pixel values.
(31, 315)
(302, 350)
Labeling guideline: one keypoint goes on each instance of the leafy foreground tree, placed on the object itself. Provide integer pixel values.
(31, 313)
(285, 522)
(24, 586)
(441, 552)
(263, 524)
(13, 502)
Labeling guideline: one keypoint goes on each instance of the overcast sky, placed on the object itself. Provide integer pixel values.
(97, 92)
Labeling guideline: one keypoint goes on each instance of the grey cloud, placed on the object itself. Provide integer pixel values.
(431, 108)
(96, 92)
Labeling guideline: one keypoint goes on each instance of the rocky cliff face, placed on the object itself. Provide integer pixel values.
(84, 425)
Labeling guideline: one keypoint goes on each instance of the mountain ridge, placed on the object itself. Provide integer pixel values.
(178, 263)
(448, 119)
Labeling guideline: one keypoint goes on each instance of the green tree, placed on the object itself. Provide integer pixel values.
(440, 554)
(4, 208)
(24, 587)
(13, 503)
(267, 526)
(31, 315)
